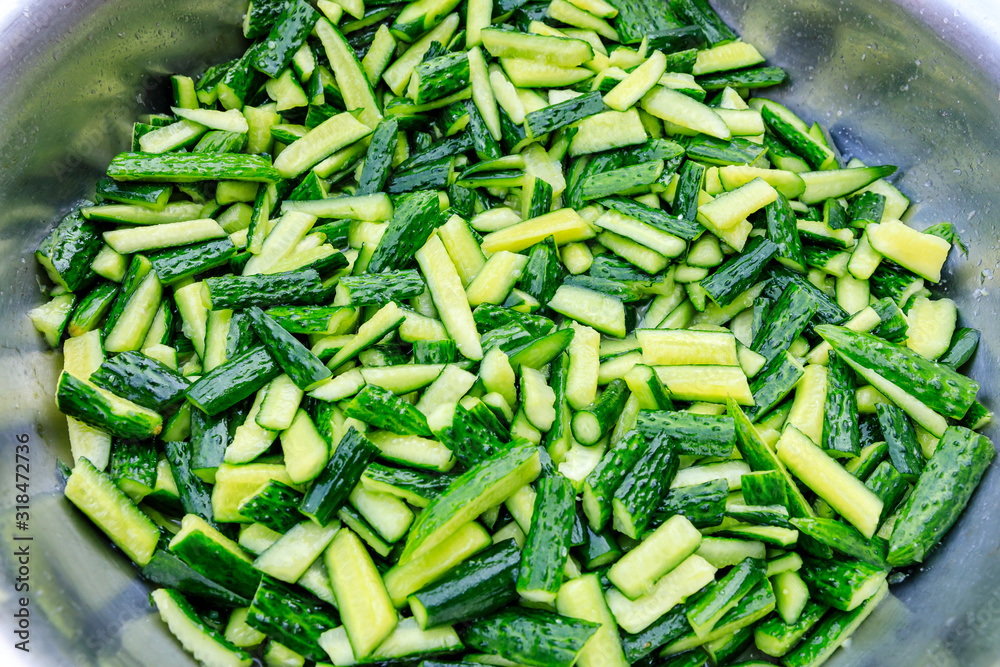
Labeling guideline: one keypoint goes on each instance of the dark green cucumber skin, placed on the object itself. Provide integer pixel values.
(844, 539)
(841, 432)
(607, 476)
(141, 379)
(830, 628)
(441, 76)
(941, 493)
(599, 548)
(194, 493)
(469, 439)
(825, 239)
(702, 504)
(901, 438)
(335, 232)
(737, 583)
(871, 455)
(547, 544)
(82, 401)
(893, 325)
(205, 556)
(378, 159)
(383, 409)
(827, 310)
(622, 291)
(614, 181)
(419, 483)
(764, 487)
(607, 407)
(144, 194)
(342, 472)
(92, 308)
(486, 147)
(135, 461)
(530, 636)
(411, 225)
(444, 149)
(866, 208)
(886, 483)
(646, 485)
(240, 78)
(512, 135)
(785, 321)
(541, 199)
(977, 416)
(537, 353)
(478, 587)
(226, 385)
(486, 179)
(218, 142)
(636, 19)
(665, 630)
(276, 506)
(833, 582)
(508, 337)
(240, 339)
(559, 115)
(782, 231)
(467, 486)
(752, 77)
(209, 437)
(699, 13)
(834, 214)
(543, 273)
(709, 150)
(818, 256)
(191, 167)
(70, 247)
(942, 389)
(760, 457)
(291, 618)
(810, 151)
(175, 264)
(611, 267)
(303, 319)
(963, 345)
(169, 571)
(689, 181)
(653, 149)
(137, 270)
(773, 384)
(790, 634)
(310, 187)
(287, 35)
(757, 603)
(891, 280)
(671, 40)
(296, 360)
(380, 288)
(489, 317)
(430, 176)
(558, 439)
(696, 435)
(435, 351)
(739, 272)
(277, 289)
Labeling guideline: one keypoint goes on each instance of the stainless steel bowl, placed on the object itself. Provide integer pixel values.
(912, 82)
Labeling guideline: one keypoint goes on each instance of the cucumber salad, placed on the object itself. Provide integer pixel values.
(505, 332)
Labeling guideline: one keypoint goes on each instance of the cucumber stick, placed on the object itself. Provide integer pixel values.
(402, 282)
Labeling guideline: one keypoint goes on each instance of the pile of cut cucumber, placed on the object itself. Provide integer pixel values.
(514, 333)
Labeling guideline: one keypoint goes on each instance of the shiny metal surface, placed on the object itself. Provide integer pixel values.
(913, 83)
